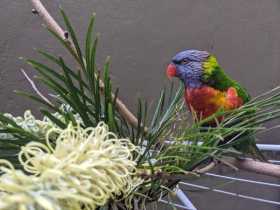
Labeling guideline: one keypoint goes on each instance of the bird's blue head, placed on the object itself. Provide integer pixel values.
(188, 66)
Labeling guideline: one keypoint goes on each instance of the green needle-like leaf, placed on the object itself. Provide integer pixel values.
(74, 38)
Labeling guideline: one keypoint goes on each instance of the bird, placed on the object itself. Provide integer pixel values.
(209, 89)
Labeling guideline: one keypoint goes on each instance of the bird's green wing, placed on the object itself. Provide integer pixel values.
(215, 77)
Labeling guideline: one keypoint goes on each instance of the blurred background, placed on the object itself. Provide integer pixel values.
(142, 36)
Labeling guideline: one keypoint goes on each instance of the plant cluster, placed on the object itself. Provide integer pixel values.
(164, 145)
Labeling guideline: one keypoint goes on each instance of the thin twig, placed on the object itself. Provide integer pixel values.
(227, 163)
(205, 169)
(35, 87)
(54, 26)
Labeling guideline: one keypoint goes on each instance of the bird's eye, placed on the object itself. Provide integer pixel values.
(185, 61)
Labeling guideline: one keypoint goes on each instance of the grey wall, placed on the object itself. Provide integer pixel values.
(141, 36)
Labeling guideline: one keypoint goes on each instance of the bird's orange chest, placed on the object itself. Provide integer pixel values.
(205, 101)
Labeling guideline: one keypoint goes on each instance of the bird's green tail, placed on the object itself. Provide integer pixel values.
(248, 146)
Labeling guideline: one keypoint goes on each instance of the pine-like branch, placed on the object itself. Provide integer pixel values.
(54, 26)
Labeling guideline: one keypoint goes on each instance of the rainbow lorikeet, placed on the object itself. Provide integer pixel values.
(208, 88)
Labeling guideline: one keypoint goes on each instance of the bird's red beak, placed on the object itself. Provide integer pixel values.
(171, 71)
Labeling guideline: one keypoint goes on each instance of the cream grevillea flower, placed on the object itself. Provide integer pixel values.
(85, 168)
(38, 127)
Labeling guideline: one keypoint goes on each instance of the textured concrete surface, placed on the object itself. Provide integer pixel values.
(141, 36)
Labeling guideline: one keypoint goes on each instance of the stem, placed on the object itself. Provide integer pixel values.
(47, 18)
(207, 168)
(33, 85)
(54, 26)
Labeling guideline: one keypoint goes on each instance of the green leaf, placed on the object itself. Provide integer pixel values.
(8, 121)
(67, 44)
(98, 106)
(111, 118)
(19, 133)
(107, 88)
(75, 98)
(74, 38)
(37, 99)
(89, 42)
(57, 62)
(158, 109)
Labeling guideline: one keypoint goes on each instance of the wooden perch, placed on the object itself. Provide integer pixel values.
(245, 164)
(54, 26)
(249, 165)
(258, 167)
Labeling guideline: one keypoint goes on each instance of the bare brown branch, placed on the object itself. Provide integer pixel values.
(254, 166)
(249, 165)
(47, 18)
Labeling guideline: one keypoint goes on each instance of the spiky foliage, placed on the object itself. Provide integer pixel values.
(170, 145)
